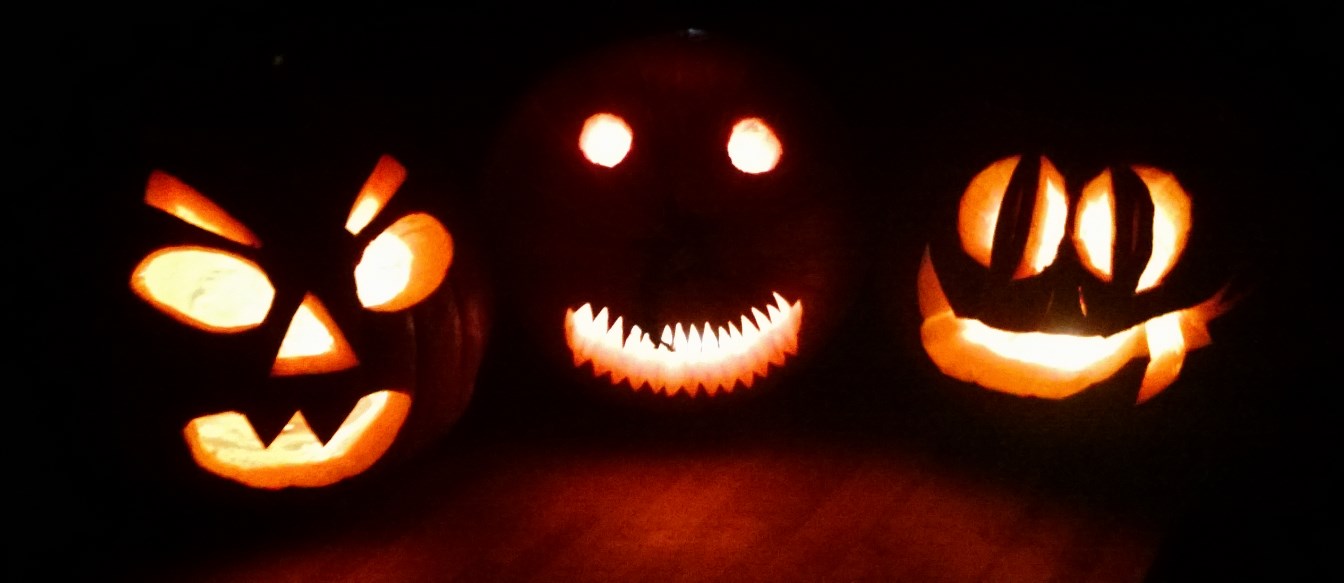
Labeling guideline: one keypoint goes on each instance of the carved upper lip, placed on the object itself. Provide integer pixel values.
(226, 445)
(683, 358)
(1055, 366)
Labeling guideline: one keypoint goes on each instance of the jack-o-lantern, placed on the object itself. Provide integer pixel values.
(671, 218)
(299, 305)
(313, 417)
(1053, 286)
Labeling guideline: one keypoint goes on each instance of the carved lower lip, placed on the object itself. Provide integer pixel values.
(706, 357)
(1055, 366)
(226, 445)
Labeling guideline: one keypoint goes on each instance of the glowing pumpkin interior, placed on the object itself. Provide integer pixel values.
(219, 291)
(699, 358)
(1057, 365)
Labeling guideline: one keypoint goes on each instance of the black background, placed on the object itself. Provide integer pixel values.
(1249, 438)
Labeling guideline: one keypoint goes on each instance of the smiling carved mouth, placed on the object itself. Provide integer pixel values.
(226, 445)
(1055, 366)
(715, 359)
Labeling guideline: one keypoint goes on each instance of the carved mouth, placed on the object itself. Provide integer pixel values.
(1055, 366)
(710, 358)
(226, 445)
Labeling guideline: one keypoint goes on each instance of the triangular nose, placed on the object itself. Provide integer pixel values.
(313, 344)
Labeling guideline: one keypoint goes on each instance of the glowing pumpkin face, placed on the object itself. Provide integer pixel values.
(307, 365)
(1050, 318)
(671, 220)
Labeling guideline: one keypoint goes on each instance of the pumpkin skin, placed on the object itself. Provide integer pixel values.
(287, 167)
(1050, 284)
(670, 233)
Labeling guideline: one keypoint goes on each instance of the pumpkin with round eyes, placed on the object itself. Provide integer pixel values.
(1048, 291)
(672, 217)
(295, 347)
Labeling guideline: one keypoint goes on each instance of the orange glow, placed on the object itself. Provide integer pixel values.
(753, 146)
(166, 193)
(382, 183)
(404, 264)
(682, 359)
(205, 288)
(1171, 224)
(226, 445)
(313, 344)
(978, 214)
(1048, 222)
(1055, 366)
(605, 139)
(1094, 231)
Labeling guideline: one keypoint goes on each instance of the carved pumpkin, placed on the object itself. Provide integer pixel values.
(297, 303)
(671, 218)
(300, 424)
(1057, 285)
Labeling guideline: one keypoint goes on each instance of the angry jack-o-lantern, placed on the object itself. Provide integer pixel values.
(310, 351)
(671, 218)
(1069, 282)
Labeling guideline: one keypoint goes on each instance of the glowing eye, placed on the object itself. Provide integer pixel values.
(1095, 234)
(753, 146)
(404, 264)
(205, 288)
(1171, 224)
(605, 139)
(1094, 229)
(983, 207)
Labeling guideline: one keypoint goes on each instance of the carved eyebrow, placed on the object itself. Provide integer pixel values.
(169, 194)
(382, 184)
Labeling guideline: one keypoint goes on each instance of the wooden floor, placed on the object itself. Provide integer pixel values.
(745, 512)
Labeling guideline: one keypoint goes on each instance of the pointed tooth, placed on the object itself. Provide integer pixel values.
(585, 314)
(749, 330)
(635, 364)
(679, 338)
(776, 351)
(613, 336)
(776, 316)
(761, 360)
(600, 367)
(326, 417)
(693, 343)
(666, 338)
(619, 369)
(574, 336)
(789, 340)
(600, 323)
(269, 423)
(632, 341)
(747, 378)
(762, 321)
(711, 342)
(583, 336)
(781, 302)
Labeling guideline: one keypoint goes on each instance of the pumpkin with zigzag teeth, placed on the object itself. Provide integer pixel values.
(672, 222)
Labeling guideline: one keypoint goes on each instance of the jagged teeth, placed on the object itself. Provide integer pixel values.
(686, 359)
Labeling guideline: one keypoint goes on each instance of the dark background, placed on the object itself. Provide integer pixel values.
(1237, 458)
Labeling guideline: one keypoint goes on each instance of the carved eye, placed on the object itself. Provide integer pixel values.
(753, 146)
(1132, 226)
(605, 139)
(205, 288)
(404, 264)
(1014, 214)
